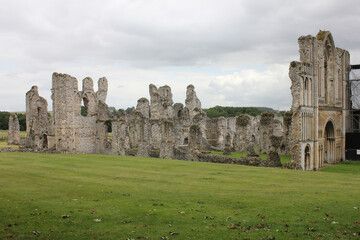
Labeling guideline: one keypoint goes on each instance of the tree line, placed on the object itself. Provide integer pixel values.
(220, 111)
(4, 120)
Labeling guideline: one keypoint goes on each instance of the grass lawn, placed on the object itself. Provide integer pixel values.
(54, 196)
(4, 135)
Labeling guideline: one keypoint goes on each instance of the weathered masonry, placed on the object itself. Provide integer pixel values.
(320, 102)
(313, 133)
(155, 128)
(14, 130)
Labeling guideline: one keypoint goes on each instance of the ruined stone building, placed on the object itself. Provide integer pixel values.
(313, 133)
(155, 128)
(160, 126)
(243, 133)
(320, 102)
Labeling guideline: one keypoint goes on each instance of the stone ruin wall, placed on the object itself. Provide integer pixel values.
(73, 132)
(39, 125)
(243, 133)
(155, 128)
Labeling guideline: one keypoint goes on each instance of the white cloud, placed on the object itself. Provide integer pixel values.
(269, 88)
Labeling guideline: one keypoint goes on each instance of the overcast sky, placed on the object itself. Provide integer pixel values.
(235, 53)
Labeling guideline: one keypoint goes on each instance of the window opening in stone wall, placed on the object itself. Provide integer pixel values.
(186, 141)
(84, 107)
(326, 77)
(307, 158)
(309, 92)
(44, 141)
(305, 92)
(329, 143)
(108, 129)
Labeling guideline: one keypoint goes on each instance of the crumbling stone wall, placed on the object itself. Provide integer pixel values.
(246, 131)
(39, 125)
(266, 129)
(243, 133)
(160, 126)
(155, 126)
(73, 131)
(14, 130)
(120, 133)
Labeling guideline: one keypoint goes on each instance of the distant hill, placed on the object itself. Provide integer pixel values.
(220, 111)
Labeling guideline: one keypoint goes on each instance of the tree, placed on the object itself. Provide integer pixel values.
(83, 111)
(129, 110)
(219, 111)
(4, 120)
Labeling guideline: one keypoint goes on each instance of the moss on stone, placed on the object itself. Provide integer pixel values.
(199, 117)
(321, 35)
(195, 129)
(242, 120)
(266, 118)
(293, 64)
(288, 118)
(276, 141)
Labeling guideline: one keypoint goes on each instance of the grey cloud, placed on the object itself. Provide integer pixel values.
(46, 36)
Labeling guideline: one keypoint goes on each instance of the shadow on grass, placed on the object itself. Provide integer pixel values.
(283, 158)
(352, 167)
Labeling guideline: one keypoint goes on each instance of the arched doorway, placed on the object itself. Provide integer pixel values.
(329, 143)
(307, 158)
(44, 143)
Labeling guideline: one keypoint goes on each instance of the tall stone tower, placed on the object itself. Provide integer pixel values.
(64, 90)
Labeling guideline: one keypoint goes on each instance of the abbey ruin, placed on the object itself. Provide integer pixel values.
(320, 102)
(313, 133)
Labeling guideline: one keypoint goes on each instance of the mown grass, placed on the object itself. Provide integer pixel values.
(4, 138)
(4, 135)
(352, 167)
(44, 196)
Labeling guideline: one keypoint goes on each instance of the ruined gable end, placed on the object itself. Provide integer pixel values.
(319, 102)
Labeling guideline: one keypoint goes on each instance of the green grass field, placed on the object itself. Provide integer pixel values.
(54, 196)
(4, 135)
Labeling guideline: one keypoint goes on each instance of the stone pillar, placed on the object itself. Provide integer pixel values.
(143, 107)
(65, 88)
(14, 130)
(37, 121)
(195, 137)
(101, 94)
(167, 140)
(161, 102)
(192, 102)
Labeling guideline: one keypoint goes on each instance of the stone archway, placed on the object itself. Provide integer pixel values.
(44, 141)
(329, 136)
